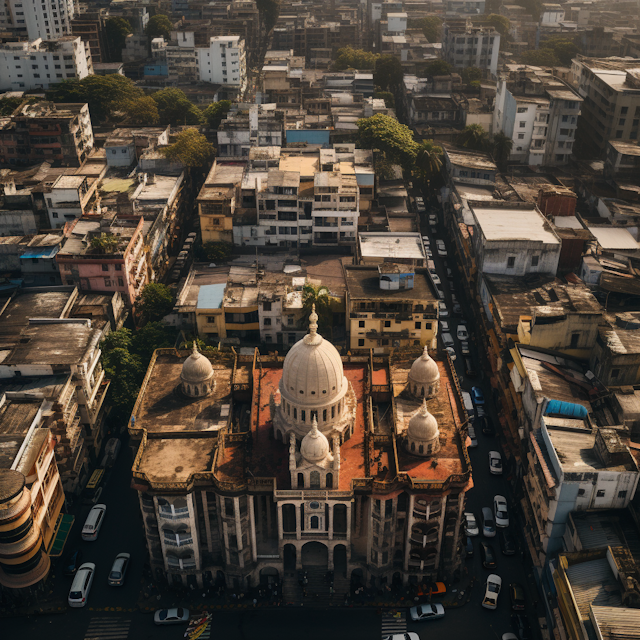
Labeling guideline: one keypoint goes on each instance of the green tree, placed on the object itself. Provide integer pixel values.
(385, 133)
(438, 68)
(9, 105)
(501, 146)
(116, 30)
(428, 161)
(155, 301)
(268, 10)
(120, 339)
(175, 108)
(565, 50)
(104, 94)
(191, 148)
(432, 28)
(387, 96)
(159, 26)
(471, 75)
(143, 110)
(350, 58)
(500, 23)
(319, 296)
(215, 113)
(154, 335)
(104, 243)
(388, 72)
(473, 136)
(202, 345)
(540, 58)
(125, 371)
(217, 251)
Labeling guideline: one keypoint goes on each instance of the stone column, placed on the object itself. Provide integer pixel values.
(238, 525)
(252, 523)
(407, 546)
(298, 523)
(330, 523)
(207, 524)
(280, 526)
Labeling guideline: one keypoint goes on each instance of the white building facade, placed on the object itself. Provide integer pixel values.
(46, 19)
(471, 46)
(39, 64)
(223, 61)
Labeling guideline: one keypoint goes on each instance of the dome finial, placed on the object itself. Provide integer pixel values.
(425, 353)
(424, 411)
(314, 426)
(313, 321)
(194, 349)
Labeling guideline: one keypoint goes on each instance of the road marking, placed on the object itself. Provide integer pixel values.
(392, 624)
(104, 628)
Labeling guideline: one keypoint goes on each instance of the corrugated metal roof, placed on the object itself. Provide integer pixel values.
(594, 582)
(210, 296)
(595, 532)
(615, 623)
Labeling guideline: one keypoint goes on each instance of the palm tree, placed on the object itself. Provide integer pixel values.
(473, 136)
(428, 160)
(319, 296)
(502, 146)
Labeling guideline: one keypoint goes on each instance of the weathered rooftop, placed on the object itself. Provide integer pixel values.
(364, 282)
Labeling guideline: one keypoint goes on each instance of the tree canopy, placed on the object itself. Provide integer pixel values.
(175, 108)
(321, 297)
(191, 148)
(155, 301)
(385, 133)
(432, 28)
(268, 10)
(350, 58)
(540, 58)
(216, 251)
(104, 94)
(159, 26)
(438, 68)
(116, 31)
(143, 110)
(428, 161)
(388, 71)
(104, 243)
(501, 146)
(500, 23)
(474, 137)
(215, 113)
(471, 75)
(387, 96)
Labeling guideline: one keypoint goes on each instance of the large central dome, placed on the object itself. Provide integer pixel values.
(312, 371)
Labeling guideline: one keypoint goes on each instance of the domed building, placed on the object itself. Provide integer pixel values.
(424, 377)
(314, 466)
(423, 437)
(197, 374)
(313, 387)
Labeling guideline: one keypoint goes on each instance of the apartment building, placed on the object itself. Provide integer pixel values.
(46, 131)
(90, 26)
(248, 126)
(223, 62)
(40, 63)
(46, 19)
(32, 495)
(540, 114)
(610, 88)
(106, 254)
(465, 44)
(68, 199)
(389, 307)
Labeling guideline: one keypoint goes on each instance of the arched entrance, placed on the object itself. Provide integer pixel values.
(340, 559)
(269, 575)
(289, 557)
(315, 554)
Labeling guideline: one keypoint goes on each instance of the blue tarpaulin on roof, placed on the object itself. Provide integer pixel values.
(41, 252)
(570, 409)
(210, 296)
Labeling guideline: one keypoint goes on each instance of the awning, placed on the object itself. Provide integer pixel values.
(63, 527)
(41, 252)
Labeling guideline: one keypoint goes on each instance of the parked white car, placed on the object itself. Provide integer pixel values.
(471, 524)
(426, 240)
(447, 340)
(425, 612)
(452, 353)
(471, 431)
(444, 326)
(488, 523)
(82, 581)
(492, 591)
(442, 307)
(433, 219)
(495, 463)
(501, 511)
(462, 332)
(464, 348)
(436, 278)
(177, 615)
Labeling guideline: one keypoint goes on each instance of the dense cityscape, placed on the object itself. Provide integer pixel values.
(320, 319)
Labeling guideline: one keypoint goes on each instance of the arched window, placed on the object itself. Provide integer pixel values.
(329, 480)
(324, 415)
(338, 408)
(333, 411)
(295, 413)
(301, 481)
(413, 446)
(422, 391)
(303, 415)
(189, 389)
(315, 479)
(288, 409)
(195, 391)
(315, 522)
(420, 449)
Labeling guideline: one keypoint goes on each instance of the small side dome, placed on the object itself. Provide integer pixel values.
(315, 446)
(424, 376)
(197, 374)
(423, 435)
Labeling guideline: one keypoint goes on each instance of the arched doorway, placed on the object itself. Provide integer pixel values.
(340, 559)
(289, 557)
(315, 554)
(269, 575)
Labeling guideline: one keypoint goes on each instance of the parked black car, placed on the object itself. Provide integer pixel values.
(72, 562)
(521, 626)
(507, 542)
(469, 547)
(488, 429)
(516, 593)
(488, 557)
